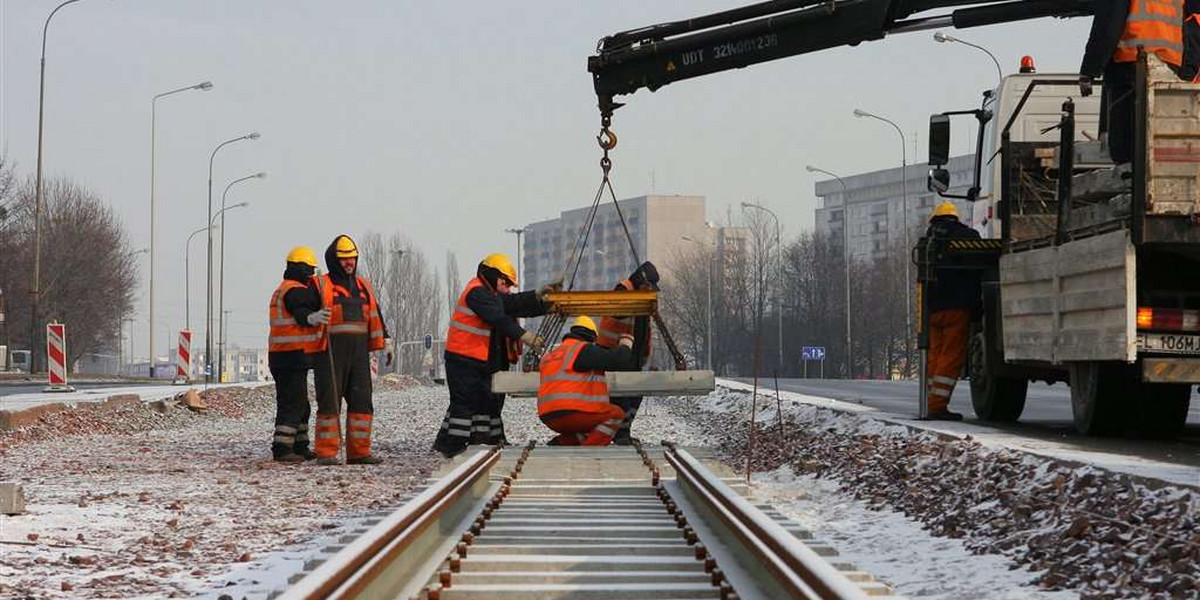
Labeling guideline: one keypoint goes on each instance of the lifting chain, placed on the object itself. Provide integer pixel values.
(607, 140)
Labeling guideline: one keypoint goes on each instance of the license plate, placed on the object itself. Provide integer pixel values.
(1169, 343)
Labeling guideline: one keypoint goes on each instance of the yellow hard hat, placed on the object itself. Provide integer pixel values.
(944, 209)
(501, 263)
(586, 323)
(345, 247)
(303, 254)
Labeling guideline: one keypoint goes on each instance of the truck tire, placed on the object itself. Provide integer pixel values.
(1099, 393)
(1164, 409)
(994, 398)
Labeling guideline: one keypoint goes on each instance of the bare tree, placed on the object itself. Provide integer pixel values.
(409, 292)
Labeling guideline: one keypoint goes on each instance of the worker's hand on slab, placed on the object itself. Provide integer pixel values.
(320, 317)
(532, 340)
(549, 288)
(626, 340)
(1085, 85)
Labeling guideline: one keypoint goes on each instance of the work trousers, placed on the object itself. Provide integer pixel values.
(474, 415)
(631, 406)
(580, 428)
(948, 334)
(350, 372)
(292, 410)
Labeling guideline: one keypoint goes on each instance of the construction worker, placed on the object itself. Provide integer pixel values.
(483, 338)
(953, 299)
(342, 363)
(611, 330)
(1163, 27)
(295, 316)
(573, 395)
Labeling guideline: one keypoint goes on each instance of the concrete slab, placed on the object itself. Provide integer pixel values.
(620, 384)
(12, 499)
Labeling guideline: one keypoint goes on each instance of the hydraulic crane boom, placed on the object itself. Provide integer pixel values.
(654, 56)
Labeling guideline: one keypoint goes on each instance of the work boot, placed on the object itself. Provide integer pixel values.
(369, 459)
(449, 451)
(328, 461)
(625, 440)
(289, 457)
(304, 452)
(944, 415)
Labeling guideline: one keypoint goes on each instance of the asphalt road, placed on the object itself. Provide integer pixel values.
(1047, 414)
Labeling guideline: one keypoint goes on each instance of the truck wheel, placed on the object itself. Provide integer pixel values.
(994, 398)
(1098, 391)
(1164, 408)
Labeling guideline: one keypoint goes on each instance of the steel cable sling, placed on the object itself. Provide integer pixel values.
(551, 325)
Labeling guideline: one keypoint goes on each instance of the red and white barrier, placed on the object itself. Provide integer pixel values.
(183, 357)
(56, 358)
(374, 365)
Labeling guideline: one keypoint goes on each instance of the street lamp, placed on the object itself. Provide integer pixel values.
(518, 231)
(904, 221)
(943, 38)
(204, 87)
(36, 288)
(208, 302)
(212, 225)
(187, 263)
(709, 329)
(779, 273)
(221, 307)
(845, 256)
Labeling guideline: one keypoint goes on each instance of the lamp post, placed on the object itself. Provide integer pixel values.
(212, 225)
(908, 332)
(709, 329)
(221, 302)
(845, 257)
(203, 86)
(187, 263)
(209, 278)
(518, 231)
(36, 288)
(943, 38)
(779, 273)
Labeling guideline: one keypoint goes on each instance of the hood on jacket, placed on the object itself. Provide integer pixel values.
(297, 271)
(336, 272)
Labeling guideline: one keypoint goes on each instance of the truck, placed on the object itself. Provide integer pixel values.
(1099, 291)
(1092, 276)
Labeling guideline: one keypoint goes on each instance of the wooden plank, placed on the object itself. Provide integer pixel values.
(621, 384)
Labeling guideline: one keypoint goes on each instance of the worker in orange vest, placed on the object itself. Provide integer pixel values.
(1167, 28)
(484, 338)
(954, 299)
(342, 362)
(573, 394)
(295, 316)
(611, 330)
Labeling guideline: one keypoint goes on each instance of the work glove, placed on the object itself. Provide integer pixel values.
(549, 288)
(1085, 85)
(626, 340)
(533, 341)
(320, 317)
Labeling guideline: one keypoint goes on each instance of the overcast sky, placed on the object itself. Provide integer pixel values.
(448, 121)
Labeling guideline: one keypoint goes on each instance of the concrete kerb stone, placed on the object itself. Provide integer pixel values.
(15, 419)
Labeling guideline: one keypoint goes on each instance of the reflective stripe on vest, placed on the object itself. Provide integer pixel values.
(371, 326)
(286, 335)
(1155, 25)
(468, 335)
(612, 328)
(564, 388)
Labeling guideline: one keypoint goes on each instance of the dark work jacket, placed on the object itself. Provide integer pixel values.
(1109, 23)
(594, 357)
(954, 288)
(500, 312)
(300, 302)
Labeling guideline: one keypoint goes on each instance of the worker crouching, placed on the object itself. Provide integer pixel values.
(342, 364)
(611, 330)
(573, 394)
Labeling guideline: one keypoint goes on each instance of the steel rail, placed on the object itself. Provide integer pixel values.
(799, 570)
(357, 565)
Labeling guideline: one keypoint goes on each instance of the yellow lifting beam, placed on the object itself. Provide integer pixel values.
(614, 303)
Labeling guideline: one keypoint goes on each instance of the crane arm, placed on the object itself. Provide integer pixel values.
(654, 56)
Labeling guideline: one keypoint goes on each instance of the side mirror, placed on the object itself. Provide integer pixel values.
(939, 140)
(939, 180)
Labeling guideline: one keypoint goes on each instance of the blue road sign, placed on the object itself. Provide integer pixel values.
(812, 352)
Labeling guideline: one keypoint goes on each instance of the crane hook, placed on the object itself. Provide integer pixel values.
(607, 139)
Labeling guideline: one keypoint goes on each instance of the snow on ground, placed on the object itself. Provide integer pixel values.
(1099, 534)
(893, 548)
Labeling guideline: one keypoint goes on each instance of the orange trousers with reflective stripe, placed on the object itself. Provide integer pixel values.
(578, 428)
(358, 435)
(948, 333)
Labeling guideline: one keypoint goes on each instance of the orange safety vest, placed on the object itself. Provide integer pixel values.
(468, 335)
(564, 388)
(286, 334)
(339, 323)
(612, 328)
(1155, 25)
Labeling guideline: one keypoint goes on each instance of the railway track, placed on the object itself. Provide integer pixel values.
(543, 523)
